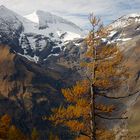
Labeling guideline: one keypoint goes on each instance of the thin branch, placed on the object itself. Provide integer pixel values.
(103, 95)
(88, 78)
(111, 118)
(82, 133)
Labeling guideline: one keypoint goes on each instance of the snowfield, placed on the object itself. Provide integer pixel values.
(46, 23)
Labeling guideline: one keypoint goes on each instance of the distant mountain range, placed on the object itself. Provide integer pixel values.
(37, 33)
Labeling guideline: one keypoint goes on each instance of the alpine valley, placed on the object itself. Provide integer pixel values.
(40, 54)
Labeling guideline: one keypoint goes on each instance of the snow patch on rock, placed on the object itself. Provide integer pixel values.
(33, 17)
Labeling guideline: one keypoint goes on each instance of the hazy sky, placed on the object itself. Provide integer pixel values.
(76, 10)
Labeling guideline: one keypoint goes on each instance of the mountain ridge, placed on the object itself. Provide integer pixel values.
(30, 39)
(51, 17)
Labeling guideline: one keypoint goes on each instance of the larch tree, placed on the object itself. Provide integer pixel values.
(9, 131)
(34, 134)
(103, 72)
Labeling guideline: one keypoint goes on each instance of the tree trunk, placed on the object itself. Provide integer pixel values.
(92, 113)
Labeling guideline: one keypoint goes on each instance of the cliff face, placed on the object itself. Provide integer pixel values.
(126, 33)
(129, 129)
(134, 102)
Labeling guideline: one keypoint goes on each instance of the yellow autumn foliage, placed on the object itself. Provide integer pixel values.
(103, 69)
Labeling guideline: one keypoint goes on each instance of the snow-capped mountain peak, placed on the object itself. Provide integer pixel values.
(38, 35)
(2, 7)
(6, 13)
(43, 17)
(51, 23)
(9, 21)
(46, 23)
(126, 20)
(133, 15)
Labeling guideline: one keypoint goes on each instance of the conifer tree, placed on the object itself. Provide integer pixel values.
(15, 134)
(53, 137)
(34, 134)
(9, 131)
(5, 122)
(104, 72)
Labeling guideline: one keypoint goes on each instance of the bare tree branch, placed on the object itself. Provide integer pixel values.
(111, 118)
(121, 97)
(88, 78)
(82, 133)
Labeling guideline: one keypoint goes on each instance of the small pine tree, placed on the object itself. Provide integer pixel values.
(34, 134)
(53, 137)
(9, 131)
(15, 134)
(5, 122)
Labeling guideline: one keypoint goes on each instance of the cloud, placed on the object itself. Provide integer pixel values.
(76, 10)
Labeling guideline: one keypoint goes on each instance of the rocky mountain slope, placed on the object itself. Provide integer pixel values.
(126, 32)
(26, 90)
(32, 67)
